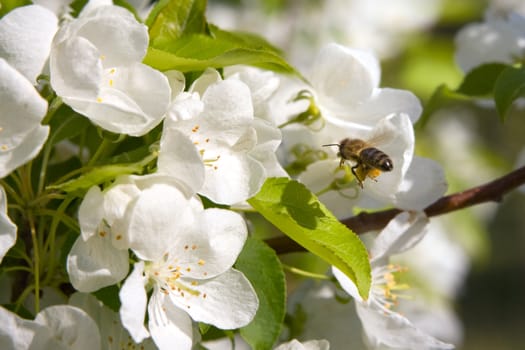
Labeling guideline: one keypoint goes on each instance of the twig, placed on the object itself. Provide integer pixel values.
(490, 192)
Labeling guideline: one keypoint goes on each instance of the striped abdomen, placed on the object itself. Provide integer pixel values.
(375, 158)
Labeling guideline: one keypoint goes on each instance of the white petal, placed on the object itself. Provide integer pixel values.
(347, 284)
(133, 300)
(423, 184)
(25, 39)
(262, 84)
(227, 301)
(177, 82)
(402, 233)
(70, 326)
(17, 333)
(132, 101)
(209, 77)
(21, 110)
(186, 106)
(111, 329)
(7, 228)
(179, 158)
(268, 139)
(395, 331)
(228, 104)
(344, 77)
(95, 263)
(118, 36)
(168, 324)
(383, 103)
(158, 215)
(233, 178)
(492, 41)
(212, 245)
(91, 212)
(76, 70)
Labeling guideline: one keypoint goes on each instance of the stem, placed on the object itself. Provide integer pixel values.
(99, 152)
(36, 264)
(304, 273)
(490, 192)
(50, 245)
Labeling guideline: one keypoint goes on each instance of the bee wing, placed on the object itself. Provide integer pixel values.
(381, 137)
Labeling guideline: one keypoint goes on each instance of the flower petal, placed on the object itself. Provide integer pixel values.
(228, 105)
(383, 103)
(233, 178)
(168, 324)
(227, 301)
(7, 228)
(18, 333)
(119, 37)
(402, 233)
(212, 245)
(344, 77)
(423, 184)
(76, 70)
(95, 263)
(133, 301)
(21, 110)
(395, 331)
(91, 212)
(347, 284)
(179, 158)
(25, 39)
(133, 100)
(155, 219)
(70, 326)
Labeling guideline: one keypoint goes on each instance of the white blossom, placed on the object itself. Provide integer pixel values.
(96, 68)
(187, 254)
(236, 150)
(500, 38)
(382, 326)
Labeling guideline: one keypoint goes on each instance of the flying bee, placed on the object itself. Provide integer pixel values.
(369, 161)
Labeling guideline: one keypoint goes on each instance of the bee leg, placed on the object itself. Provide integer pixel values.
(359, 181)
(342, 163)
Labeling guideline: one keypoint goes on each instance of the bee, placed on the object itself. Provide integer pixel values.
(369, 161)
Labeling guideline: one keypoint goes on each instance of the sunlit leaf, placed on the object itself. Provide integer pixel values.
(298, 213)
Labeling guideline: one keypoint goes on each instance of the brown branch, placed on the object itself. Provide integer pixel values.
(490, 192)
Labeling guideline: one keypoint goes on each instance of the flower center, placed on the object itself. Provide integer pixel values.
(385, 291)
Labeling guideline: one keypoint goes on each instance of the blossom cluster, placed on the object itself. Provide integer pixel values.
(168, 235)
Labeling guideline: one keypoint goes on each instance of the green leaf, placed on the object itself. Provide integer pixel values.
(196, 52)
(96, 176)
(509, 86)
(171, 19)
(109, 296)
(301, 216)
(262, 267)
(7, 6)
(480, 80)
